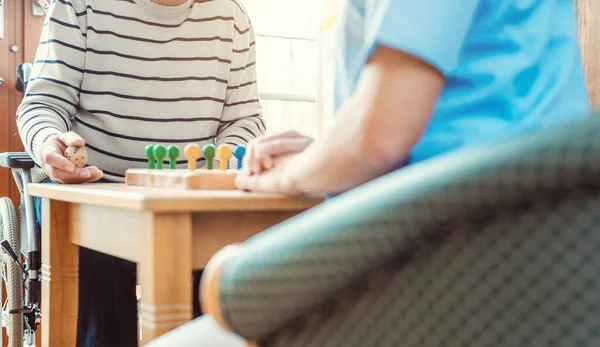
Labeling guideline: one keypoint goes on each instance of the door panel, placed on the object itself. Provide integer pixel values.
(7, 90)
(16, 57)
(7, 95)
(22, 31)
(32, 30)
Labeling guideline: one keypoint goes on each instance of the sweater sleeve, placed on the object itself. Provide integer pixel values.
(52, 94)
(241, 120)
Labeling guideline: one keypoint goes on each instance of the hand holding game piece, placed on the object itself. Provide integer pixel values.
(173, 154)
(224, 153)
(58, 167)
(192, 152)
(209, 155)
(160, 152)
(150, 156)
(239, 153)
(77, 155)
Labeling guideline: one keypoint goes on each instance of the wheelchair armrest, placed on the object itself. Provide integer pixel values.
(16, 160)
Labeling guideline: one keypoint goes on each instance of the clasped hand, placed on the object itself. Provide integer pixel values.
(269, 163)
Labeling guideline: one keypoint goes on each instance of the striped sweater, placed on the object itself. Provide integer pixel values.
(125, 74)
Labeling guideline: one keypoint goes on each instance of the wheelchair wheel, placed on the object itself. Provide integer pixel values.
(12, 275)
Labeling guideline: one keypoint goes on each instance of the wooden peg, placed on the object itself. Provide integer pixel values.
(209, 155)
(173, 154)
(160, 152)
(239, 153)
(224, 153)
(150, 156)
(192, 152)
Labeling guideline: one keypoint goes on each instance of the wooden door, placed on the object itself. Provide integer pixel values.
(9, 97)
(21, 35)
(21, 29)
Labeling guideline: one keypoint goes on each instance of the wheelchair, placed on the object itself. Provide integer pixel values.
(20, 261)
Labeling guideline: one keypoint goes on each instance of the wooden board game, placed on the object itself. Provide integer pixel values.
(221, 178)
(182, 179)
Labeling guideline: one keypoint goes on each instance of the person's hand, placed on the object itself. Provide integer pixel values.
(261, 154)
(278, 179)
(59, 168)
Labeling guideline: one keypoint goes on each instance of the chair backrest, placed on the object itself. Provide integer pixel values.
(522, 277)
(44, 4)
(23, 73)
(530, 187)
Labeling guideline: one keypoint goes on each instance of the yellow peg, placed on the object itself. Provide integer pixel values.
(224, 153)
(192, 152)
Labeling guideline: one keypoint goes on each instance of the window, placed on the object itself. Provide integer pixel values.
(287, 59)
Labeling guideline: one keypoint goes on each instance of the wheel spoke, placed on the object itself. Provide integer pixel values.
(12, 274)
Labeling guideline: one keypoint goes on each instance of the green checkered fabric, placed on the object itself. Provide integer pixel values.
(529, 276)
(495, 246)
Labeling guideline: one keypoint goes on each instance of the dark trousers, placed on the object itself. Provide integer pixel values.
(107, 302)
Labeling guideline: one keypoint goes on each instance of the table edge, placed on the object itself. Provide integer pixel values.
(139, 202)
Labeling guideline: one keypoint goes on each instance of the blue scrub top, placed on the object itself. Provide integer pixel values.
(511, 66)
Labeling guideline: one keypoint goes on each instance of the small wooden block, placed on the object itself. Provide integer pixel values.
(139, 177)
(182, 179)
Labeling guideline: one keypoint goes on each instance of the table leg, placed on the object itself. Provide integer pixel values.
(60, 277)
(165, 273)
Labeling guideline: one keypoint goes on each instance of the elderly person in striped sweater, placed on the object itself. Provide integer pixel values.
(116, 76)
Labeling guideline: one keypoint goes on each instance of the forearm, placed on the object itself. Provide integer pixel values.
(53, 89)
(242, 130)
(40, 117)
(342, 159)
(36, 127)
(376, 130)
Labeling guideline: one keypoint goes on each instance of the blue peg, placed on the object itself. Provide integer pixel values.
(239, 153)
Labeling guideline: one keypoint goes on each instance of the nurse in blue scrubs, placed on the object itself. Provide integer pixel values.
(417, 79)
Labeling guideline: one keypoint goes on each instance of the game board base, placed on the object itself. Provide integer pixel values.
(182, 179)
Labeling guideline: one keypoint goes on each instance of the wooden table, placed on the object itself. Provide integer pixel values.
(166, 232)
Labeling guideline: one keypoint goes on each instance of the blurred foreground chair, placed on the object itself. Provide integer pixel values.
(490, 247)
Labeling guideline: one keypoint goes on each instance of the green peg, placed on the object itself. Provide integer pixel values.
(160, 152)
(173, 154)
(150, 156)
(209, 151)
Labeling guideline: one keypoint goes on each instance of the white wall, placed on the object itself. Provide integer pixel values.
(287, 54)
